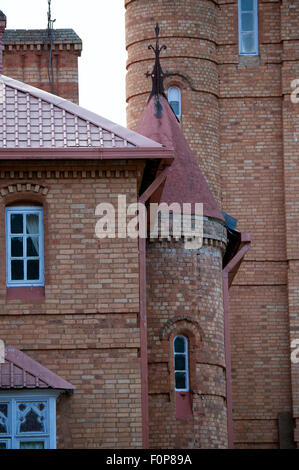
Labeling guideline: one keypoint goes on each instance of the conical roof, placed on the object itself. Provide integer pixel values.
(185, 182)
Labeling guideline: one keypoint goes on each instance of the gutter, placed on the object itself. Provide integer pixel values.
(227, 275)
(142, 308)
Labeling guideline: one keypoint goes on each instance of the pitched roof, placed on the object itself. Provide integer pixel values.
(21, 371)
(39, 36)
(185, 182)
(32, 118)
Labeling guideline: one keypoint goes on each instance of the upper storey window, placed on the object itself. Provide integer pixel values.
(24, 246)
(248, 27)
(174, 99)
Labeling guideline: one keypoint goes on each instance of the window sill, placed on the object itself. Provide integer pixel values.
(31, 294)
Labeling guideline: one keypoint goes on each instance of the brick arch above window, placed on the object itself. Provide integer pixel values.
(182, 324)
(23, 191)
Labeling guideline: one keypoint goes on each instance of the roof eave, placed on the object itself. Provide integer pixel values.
(77, 153)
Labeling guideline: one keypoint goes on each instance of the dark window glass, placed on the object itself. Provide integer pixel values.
(247, 5)
(17, 270)
(3, 445)
(179, 362)
(31, 422)
(16, 247)
(32, 270)
(16, 223)
(179, 344)
(175, 106)
(32, 246)
(32, 445)
(3, 418)
(180, 380)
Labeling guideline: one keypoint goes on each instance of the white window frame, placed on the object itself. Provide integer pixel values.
(255, 30)
(186, 370)
(13, 438)
(175, 89)
(24, 210)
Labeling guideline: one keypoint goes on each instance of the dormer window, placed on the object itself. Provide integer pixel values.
(248, 27)
(174, 99)
(24, 246)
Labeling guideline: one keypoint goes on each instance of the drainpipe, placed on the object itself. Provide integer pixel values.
(245, 241)
(142, 308)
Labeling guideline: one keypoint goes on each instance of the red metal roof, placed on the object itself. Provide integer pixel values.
(33, 118)
(21, 371)
(185, 182)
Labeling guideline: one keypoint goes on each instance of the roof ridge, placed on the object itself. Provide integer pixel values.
(83, 113)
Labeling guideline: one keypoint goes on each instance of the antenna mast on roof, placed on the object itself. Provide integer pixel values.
(50, 49)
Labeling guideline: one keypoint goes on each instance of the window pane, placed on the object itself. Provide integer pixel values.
(180, 380)
(16, 223)
(180, 362)
(17, 270)
(32, 223)
(247, 5)
(247, 44)
(3, 445)
(33, 270)
(16, 247)
(31, 417)
(32, 246)
(32, 445)
(3, 418)
(179, 344)
(247, 22)
(175, 106)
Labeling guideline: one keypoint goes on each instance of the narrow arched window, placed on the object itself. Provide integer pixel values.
(174, 99)
(181, 367)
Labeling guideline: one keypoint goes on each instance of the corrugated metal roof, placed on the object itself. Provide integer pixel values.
(21, 371)
(39, 36)
(33, 118)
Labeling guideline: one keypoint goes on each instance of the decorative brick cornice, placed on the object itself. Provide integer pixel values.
(66, 174)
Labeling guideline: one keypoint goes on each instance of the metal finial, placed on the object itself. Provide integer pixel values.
(157, 75)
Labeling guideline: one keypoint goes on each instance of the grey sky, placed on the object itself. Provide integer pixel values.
(100, 24)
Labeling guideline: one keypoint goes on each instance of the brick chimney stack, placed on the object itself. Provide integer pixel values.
(2, 28)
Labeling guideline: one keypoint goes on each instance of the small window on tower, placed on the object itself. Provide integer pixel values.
(248, 27)
(174, 99)
(181, 368)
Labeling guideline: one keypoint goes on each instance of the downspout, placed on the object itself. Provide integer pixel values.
(142, 308)
(245, 241)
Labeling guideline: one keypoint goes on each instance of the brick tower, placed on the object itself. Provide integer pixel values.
(185, 314)
(237, 65)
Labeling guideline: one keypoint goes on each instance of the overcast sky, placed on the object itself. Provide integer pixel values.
(101, 26)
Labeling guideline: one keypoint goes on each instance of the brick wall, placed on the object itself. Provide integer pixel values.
(86, 329)
(243, 105)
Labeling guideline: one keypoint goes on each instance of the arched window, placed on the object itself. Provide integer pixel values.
(24, 246)
(174, 99)
(181, 367)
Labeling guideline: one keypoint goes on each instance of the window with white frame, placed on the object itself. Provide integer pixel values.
(28, 420)
(181, 367)
(24, 246)
(248, 27)
(174, 99)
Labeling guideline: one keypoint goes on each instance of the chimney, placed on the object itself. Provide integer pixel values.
(2, 28)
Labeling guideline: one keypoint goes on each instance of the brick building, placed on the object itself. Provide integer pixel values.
(232, 69)
(130, 342)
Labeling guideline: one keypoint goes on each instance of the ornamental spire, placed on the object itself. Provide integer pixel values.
(157, 75)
